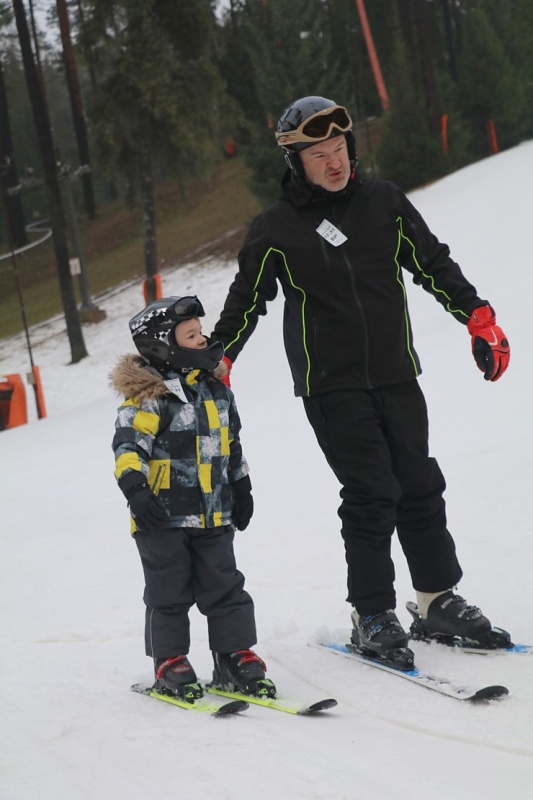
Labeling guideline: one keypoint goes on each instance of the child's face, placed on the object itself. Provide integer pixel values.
(189, 334)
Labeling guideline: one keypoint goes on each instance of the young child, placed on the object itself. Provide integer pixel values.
(180, 465)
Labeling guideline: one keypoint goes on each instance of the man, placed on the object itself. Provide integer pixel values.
(337, 245)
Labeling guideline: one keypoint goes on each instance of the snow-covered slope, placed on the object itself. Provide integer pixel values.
(71, 628)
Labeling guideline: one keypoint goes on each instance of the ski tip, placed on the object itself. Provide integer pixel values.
(321, 705)
(489, 693)
(521, 648)
(235, 707)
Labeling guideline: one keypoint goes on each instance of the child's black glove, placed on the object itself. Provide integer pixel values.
(146, 508)
(242, 507)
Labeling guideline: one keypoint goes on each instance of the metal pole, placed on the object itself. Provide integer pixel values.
(89, 312)
(72, 221)
(11, 245)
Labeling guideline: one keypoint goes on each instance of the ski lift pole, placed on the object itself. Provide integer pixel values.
(35, 379)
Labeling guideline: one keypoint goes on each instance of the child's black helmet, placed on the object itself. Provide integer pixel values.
(152, 330)
(310, 120)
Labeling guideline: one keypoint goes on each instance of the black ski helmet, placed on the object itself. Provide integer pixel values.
(152, 330)
(326, 119)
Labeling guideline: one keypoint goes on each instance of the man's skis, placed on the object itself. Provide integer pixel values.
(429, 681)
(201, 705)
(517, 649)
(465, 647)
(276, 703)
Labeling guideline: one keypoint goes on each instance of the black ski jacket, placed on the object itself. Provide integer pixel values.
(346, 321)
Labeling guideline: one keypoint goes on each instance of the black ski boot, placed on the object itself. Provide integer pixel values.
(451, 621)
(381, 637)
(242, 671)
(175, 676)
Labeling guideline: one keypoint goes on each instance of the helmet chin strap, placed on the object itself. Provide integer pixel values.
(294, 161)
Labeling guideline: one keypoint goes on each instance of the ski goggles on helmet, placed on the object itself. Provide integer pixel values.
(317, 128)
(185, 308)
(165, 313)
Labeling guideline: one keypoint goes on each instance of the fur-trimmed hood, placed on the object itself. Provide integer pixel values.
(132, 377)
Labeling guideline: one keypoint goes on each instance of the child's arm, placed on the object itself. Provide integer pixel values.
(136, 427)
(241, 485)
(135, 431)
(238, 466)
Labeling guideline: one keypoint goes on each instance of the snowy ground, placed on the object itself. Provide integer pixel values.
(71, 628)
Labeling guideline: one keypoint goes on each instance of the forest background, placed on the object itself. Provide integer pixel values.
(142, 130)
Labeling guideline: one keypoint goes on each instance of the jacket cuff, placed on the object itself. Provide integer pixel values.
(131, 480)
(242, 487)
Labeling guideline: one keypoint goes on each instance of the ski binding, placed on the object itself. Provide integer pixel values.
(202, 705)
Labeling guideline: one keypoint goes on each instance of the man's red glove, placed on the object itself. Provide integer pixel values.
(490, 346)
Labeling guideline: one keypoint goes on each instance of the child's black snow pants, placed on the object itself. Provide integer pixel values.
(187, 566)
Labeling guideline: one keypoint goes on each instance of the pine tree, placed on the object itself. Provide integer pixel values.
(8, 171)
(77, 106)
(514, 23)
(55, 206)
(288, 49)
(410, 153)
(156, 108)
(489, 86)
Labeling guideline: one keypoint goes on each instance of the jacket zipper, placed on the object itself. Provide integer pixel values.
(158, 480)
(353, 281)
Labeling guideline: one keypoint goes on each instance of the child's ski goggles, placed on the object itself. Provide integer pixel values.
(186, 308)
(317, 128)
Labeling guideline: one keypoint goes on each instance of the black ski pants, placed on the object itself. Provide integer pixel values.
(376, 443)
(187, 566)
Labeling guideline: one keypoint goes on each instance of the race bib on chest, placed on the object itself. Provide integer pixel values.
(330, 233)
(174, 385)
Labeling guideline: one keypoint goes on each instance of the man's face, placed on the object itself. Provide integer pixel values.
(189, 334)
(327, 164)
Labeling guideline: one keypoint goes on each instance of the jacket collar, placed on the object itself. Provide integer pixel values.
(300, 192)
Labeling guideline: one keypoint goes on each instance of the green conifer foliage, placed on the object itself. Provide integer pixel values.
(155, 78)
(288, 52)
(411, 152)
(489, 85)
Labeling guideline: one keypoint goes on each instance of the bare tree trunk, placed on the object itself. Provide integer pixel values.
(7, 164)
(405, 16)
(450, 40)
(113, 192)
(426, 59)
(76, 102)
(55, 207)
(148, 214)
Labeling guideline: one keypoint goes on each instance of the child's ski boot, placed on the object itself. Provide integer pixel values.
(242, 671)
(175, 676)
(382, 638)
